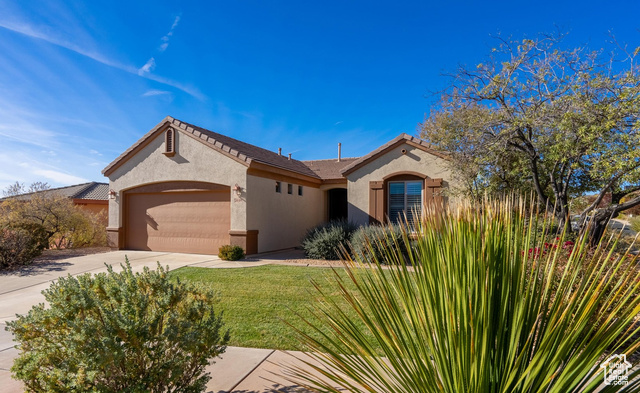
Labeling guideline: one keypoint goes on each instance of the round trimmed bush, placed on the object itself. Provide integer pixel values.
(230, 253)
(324, 241)
(114, 332)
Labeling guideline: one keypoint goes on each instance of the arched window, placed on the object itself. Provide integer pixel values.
(170, 142)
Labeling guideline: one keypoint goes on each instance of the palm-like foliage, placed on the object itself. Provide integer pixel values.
(470, 309)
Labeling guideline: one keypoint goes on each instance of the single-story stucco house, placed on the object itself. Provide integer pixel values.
(182, 188)
(91, 196)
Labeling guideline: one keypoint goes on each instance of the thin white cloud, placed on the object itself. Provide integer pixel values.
(165, 40)
(152, 93)
(28, 133)
(149, 66)
(59, 177)
(175, 23)
(30, 31)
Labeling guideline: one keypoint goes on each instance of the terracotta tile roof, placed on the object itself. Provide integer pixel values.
(238, 150)
(95, 191)
(92, 190)
(242, 150)
(246, 153)
(329, 169)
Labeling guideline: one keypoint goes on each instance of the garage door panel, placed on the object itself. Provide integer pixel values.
(193, 222)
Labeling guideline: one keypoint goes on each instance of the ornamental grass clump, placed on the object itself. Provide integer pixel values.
(371, 242)
(469, 309)
(119, 332)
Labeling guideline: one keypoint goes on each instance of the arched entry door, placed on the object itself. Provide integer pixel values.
(337, 204)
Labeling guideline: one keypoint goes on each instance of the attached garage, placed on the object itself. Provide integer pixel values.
(183, 188)
(187, 217)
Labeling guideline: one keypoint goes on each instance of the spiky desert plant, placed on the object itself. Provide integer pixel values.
(469, 309)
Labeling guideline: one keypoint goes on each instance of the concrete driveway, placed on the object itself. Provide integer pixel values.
(20, 290)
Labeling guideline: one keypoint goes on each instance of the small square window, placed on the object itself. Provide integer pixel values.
(289, 189)
(300, 190)
(278, 187)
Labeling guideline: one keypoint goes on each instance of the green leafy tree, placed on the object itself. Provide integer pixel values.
(469, 306)
(116, 332)
(537, 117)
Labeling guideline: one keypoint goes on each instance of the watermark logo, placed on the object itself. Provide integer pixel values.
(615, 370)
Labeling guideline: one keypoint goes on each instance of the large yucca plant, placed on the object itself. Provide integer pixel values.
(473, 307)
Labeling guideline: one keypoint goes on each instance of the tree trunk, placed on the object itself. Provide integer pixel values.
(598, 224)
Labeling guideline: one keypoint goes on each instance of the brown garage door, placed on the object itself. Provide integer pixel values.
(191, 222)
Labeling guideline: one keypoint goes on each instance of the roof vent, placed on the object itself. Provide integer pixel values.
(289, 156)
(279, 151)
(339, 151)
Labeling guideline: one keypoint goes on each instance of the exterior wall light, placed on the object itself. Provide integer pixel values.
(237, 189)
(112, 194)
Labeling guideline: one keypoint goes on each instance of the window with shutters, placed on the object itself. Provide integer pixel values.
(405, 200)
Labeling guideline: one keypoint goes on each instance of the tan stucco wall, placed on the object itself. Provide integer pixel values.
(415, 160)
(193, 161)
(281, 219)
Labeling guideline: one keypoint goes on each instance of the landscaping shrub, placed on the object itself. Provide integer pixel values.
(230, 253)
(20, 244)
(477, 310)
(115, 332)
(65, 224)
(325, 240)
(372, 242)
(81, 228)
(635, 224)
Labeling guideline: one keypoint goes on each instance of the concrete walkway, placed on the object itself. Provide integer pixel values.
(239, 370)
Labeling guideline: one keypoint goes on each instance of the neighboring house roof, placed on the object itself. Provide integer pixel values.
(95, 191)
(397, 141)
(92, 191)
(329, 169)
(238, 150)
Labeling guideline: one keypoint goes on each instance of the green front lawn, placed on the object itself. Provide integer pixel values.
(257, 301)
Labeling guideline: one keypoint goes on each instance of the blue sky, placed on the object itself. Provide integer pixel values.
(80, 81)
